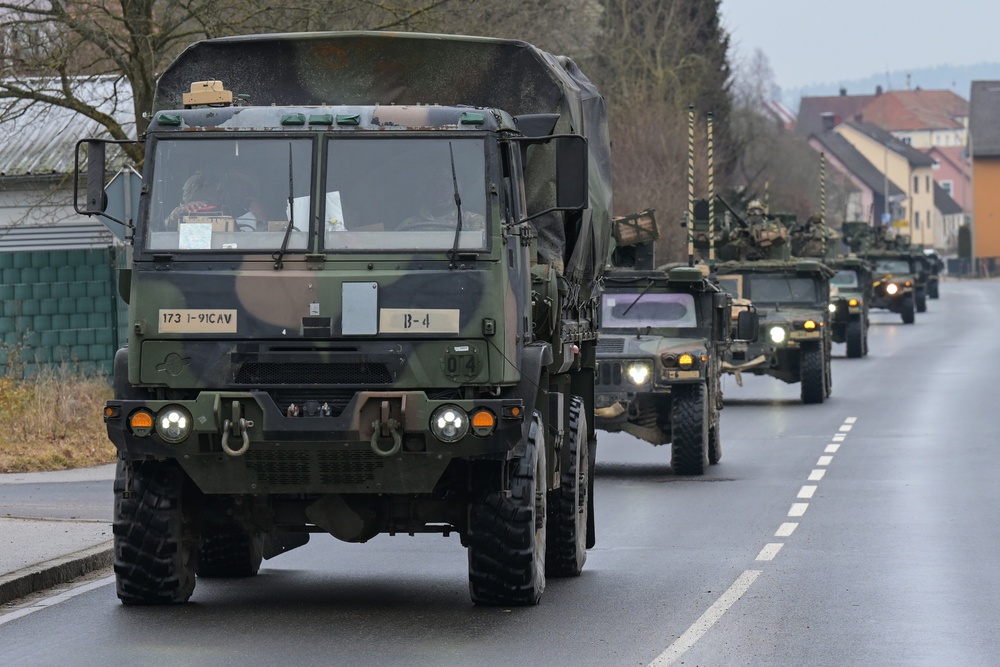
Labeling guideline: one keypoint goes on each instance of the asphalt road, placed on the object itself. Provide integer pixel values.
(863, 531)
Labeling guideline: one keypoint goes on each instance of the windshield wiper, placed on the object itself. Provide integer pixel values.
(641, 294)
(453, 253)
(278, 254)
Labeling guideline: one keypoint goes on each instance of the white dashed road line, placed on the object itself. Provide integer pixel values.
(798, 509)
(786, 529)
(816, 475)
(770, 551)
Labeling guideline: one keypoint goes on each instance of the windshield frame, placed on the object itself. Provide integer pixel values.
(817, 300)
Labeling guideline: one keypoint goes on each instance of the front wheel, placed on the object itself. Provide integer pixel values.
(812, 371)
(906, 311)
(566, 542)
(855, 339)
(689, 421)
(156, 533)
(507, 526)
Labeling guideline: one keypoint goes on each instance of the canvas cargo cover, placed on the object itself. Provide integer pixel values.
(367, 68)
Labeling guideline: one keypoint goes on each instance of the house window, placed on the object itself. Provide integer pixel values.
(927, 183)
(947, 186)
(907, 140)
(916, 184)
(916, 219)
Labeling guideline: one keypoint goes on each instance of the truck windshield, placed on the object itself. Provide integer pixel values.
(229, 195)
(845, 278)
(621, 310)
(782, 288)
(894, 266)
(399, 193)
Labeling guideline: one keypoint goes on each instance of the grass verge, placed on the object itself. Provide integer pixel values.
(53, 422)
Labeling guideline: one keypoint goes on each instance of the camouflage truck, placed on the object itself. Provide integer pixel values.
(659, 358)
(791, 297)
(343, 356)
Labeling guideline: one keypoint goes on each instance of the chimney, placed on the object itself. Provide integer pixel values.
(828, 121)
(843, 92)
(878, 90)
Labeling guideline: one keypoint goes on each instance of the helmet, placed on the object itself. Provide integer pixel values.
(755, 204)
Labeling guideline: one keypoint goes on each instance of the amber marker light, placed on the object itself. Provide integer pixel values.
(141, 423)
(810, 325)
(685, 361)
(483, 423)
(852, 302)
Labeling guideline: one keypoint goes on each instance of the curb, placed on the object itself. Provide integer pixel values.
(57, 571)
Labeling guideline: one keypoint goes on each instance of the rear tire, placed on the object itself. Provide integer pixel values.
(932, 290)
(507, 531)
(566, 540)
(921, 302)
(156, 533)
(812, 371)
(689, 422)
(230, 552)
(855, 339)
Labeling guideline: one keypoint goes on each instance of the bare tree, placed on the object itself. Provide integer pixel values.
(49, 47)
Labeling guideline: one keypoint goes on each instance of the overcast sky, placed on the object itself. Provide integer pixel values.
(816, 41)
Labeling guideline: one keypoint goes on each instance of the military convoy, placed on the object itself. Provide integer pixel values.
(335, 358)
(664, 333)
(900, 272)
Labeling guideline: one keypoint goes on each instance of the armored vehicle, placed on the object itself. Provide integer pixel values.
(850, 297)
(899, 278)
(660, 353)
(792, 301)
(397, 336)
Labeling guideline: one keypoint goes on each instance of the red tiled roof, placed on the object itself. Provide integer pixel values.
(904, 110)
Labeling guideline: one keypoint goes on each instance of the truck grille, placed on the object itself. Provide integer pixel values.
(270, 373)
(611, 345)
(609, 373)
(293, 467)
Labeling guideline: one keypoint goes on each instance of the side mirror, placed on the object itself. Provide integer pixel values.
(747, 326)
(97, 202)
(572, 187)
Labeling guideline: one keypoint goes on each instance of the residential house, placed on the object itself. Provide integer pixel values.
(953, 172)
(868, 200)
(920, 118)
(817, 114)
(907, 168)
(948, 217)
(984, 148)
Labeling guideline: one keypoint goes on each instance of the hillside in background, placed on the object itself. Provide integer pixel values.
(945, 77)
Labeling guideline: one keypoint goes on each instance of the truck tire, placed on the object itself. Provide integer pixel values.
(932, 290)
(507, 531)
(812, 372)
(230, 552)
(921, 302)
(907, 310)
(689, 421)
(566, 541)
(855, 339)
(155, 531)
(714, 444)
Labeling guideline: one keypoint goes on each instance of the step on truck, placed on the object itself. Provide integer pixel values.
(363, 292)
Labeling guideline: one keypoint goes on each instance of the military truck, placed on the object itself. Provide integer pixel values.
(791, 296)
(343, 356)
(659, 358)
(850, 298)
(898, 279)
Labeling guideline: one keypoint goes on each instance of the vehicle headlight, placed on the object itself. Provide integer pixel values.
(832, 307)
(173, 424)
(777, 334)
(449, 423)
(891, 288)
(638, 373)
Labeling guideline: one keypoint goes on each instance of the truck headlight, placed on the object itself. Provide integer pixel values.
(449, 423)
(638, 373)
(832, 307)
(777, 334)
(891, 288)
(173, 424)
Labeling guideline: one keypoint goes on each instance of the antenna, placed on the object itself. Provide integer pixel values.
(690, 211)
(711, 191)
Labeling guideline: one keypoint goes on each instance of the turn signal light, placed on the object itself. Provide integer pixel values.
(141, 423)
(809, 325)
(685, 361)
(483, 423)
(852, 302)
